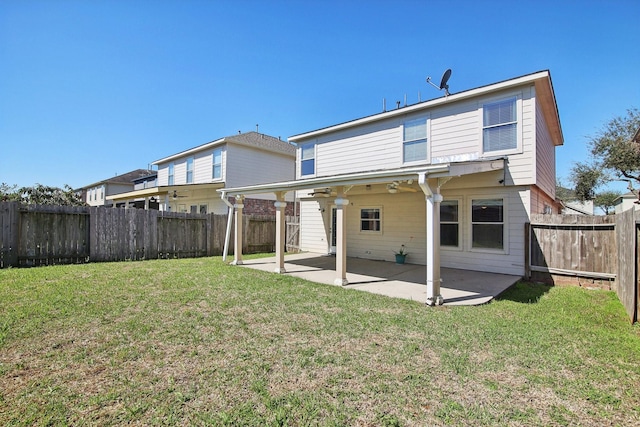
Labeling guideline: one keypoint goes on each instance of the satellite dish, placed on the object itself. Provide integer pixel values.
(443, 82)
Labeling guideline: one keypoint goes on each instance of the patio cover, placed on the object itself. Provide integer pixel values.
(430, 178)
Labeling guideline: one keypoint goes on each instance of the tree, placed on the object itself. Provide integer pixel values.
(606, 201)
(615, 156)
(40, 195)
(8, 192)
(45, 195)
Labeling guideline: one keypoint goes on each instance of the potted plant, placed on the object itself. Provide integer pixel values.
(401, 255)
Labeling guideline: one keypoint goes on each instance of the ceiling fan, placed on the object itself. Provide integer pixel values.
(396, 187)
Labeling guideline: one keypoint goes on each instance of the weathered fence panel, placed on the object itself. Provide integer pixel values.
(182, 235)
(293, 234)
(576, 245)
(49, 235)
(43, 235)
(123, 234)
(259, 233)
(9, 224)
(628, 235)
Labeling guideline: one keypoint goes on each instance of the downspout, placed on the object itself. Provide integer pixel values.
(227, 235)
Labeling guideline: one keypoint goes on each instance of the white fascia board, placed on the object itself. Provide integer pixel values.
(373, 177)
(189, 151)
(359, 178)
(507, 84)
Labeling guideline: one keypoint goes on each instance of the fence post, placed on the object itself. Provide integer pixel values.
(9, 234)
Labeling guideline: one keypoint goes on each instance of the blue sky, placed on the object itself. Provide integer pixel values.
(89, 89)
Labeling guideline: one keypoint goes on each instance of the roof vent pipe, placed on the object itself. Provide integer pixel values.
(398, 104)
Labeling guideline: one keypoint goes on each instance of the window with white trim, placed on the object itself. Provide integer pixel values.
(414, 140)
(449, 223)
(171, 173)
(371, 220)
(308, 160)
(190, 170)
(487, 224)
(500, 125)
(217, 163)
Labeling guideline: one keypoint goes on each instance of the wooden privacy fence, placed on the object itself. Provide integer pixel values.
(45, 235)
(593, 249)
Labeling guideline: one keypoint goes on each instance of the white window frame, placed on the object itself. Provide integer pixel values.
(190, 166)
(505, 223)
(379, 220)
(214, 164)
(314, 158)
(171, 173)
(460, 222)
(427, 126)
(517, 97)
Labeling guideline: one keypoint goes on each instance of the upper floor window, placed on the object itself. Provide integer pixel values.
(308, 160)
(217, 163)
(487, 224)
(414, 145)
(190, 170)
(171, 173)
(499, 125)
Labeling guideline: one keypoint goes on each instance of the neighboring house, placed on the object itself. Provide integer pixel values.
(97, 194)
(187, 181)
(625, 202)
(576, 207)
(454, 179)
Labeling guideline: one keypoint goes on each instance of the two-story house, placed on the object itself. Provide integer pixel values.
(187, 181)
(453, 179)
(98, 193)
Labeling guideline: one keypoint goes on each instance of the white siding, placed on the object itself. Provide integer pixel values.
(314, 229)
(545, 156)
(404, 222)
(247, 166)
(455, 134)
(163, 175)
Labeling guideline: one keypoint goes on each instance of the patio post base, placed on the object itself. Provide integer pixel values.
(239, 262)
(437, 300)
(341, 282)
(280, 270)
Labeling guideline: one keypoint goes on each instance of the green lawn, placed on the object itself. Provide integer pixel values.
(197, 342)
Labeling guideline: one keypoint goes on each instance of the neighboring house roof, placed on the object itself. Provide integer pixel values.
(145, 177)
(544, 92)
(125, 178)
(628, 195)
(249, 139)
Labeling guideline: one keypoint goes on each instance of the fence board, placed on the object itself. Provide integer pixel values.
(9, 224)
(627, 232)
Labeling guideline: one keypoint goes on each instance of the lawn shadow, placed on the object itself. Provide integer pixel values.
(524, 292)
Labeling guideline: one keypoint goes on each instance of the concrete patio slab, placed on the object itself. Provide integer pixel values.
(408, 281)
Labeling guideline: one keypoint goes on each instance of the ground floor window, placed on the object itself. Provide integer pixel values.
(449, 226)
(370, 219)
(487, 224)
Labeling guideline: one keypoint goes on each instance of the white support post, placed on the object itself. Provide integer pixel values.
(280, 205)
(433, 249)
(341, 239)
(146, 203)
(237, 253)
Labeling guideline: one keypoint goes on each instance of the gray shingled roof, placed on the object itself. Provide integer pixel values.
(261, 140)
(125, 178)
